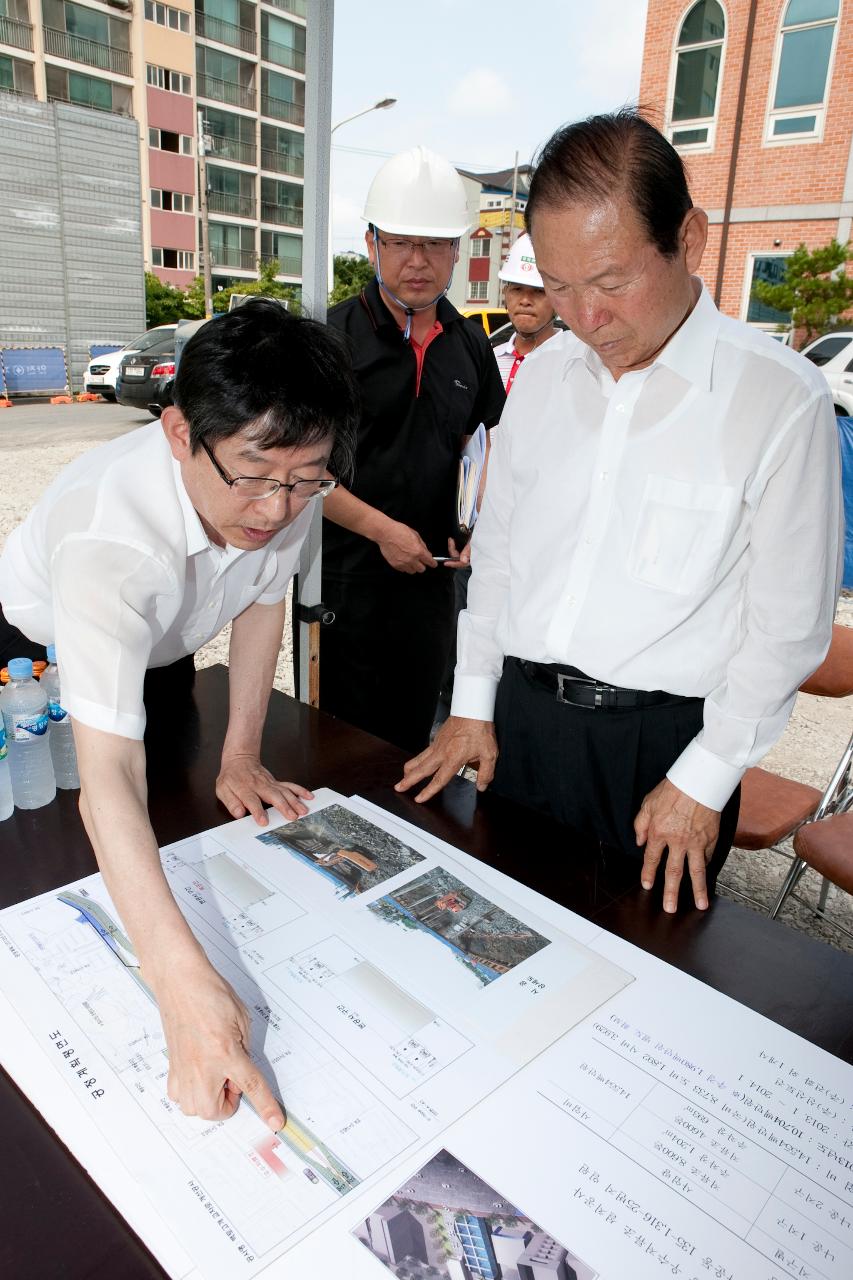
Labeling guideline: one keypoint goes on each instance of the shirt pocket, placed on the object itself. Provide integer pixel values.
(680, 534)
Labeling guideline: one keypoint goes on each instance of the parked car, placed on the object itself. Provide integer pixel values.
(490, 318)
(141, 374)
(102, 371)
(833, 354)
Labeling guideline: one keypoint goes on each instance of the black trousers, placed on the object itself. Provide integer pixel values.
(14, 644)
(163, 685)
(591, 769)
(382, 659)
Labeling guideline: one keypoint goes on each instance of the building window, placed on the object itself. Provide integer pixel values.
(802, 65)
(283, 248)
(481, 248)
(165, 140)
(165, 16)
(171, 81)
(696, 82)
(175, 259)
(478, 290)
(768, 268)
(171, 201)
(15, 74)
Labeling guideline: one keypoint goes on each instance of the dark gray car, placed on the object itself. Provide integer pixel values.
(141, 373)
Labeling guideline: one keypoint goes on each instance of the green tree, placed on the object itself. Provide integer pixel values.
(350, 276)
(194, 300)
(164, 304)
(816, 289)
(266, 286)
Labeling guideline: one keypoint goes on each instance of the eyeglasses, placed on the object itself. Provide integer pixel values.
(405, 248)
(266, 487)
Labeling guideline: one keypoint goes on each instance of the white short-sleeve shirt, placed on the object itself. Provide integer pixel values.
(113, 566)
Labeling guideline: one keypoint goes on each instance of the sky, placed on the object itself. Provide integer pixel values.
(474, 82)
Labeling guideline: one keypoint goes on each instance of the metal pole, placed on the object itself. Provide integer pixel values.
(315, 289)
(514, 196)
(202, 211)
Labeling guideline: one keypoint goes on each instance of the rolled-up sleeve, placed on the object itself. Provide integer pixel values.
(103, 604)
(791, 591)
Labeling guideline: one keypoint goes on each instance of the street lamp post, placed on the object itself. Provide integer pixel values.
(382, 105)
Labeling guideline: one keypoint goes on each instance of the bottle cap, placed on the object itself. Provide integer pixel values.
(39, 669)
(51, 653)
(21, 669)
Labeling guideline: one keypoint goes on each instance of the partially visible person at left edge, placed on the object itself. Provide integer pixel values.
(139, 553)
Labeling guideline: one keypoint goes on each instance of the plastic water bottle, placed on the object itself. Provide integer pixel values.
(24, 706)
(7, 802)
(60, 735)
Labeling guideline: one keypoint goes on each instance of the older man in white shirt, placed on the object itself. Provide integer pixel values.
(138, 553)
(657, 559)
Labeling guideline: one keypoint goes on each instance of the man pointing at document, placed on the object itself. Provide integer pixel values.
(656, 564)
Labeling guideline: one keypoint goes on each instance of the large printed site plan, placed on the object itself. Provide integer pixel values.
(390, 990)
(477, 1082)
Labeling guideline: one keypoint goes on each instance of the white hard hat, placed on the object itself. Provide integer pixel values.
(417, 193)
(520, 265)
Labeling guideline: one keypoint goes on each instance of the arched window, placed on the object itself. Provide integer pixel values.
(803, 59)
(698, 59)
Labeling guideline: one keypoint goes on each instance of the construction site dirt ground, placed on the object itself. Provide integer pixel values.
(37, 440)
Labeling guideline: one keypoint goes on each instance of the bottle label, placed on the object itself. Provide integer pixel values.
(4, 750)
(26, 727)
(55, 711)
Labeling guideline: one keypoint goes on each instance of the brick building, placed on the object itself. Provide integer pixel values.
(757, 95)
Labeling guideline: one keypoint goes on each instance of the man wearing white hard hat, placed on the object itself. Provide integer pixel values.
(427, 380)
(529, 310)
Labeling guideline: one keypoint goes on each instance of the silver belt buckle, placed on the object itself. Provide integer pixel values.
(600, 690)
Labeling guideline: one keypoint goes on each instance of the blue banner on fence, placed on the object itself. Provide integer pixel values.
(30, 370)
(103, 349)
(845, 438)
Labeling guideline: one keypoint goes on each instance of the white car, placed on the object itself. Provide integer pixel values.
(833, 354)
(102, 371)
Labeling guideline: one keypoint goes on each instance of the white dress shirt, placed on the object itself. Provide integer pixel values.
(676, 529)
(114, 567)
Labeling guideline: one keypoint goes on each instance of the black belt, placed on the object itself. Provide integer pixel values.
(576, 689)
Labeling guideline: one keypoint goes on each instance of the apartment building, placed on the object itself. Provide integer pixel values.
(234, 67)
(757, 96)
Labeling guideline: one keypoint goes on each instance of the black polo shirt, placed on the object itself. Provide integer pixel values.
(410, 437)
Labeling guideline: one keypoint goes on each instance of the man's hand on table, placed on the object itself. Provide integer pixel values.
(405, 549)
(207, 1034)
(245, 786)
(670, 819)
(458, 742)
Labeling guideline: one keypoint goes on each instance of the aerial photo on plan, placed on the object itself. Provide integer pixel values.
(347, 850)
(445, 1223)
(487, 939)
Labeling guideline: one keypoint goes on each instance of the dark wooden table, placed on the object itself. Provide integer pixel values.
(55, 1223)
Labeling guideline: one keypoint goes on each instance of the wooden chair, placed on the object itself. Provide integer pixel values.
(825, 841)
(772, 807)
